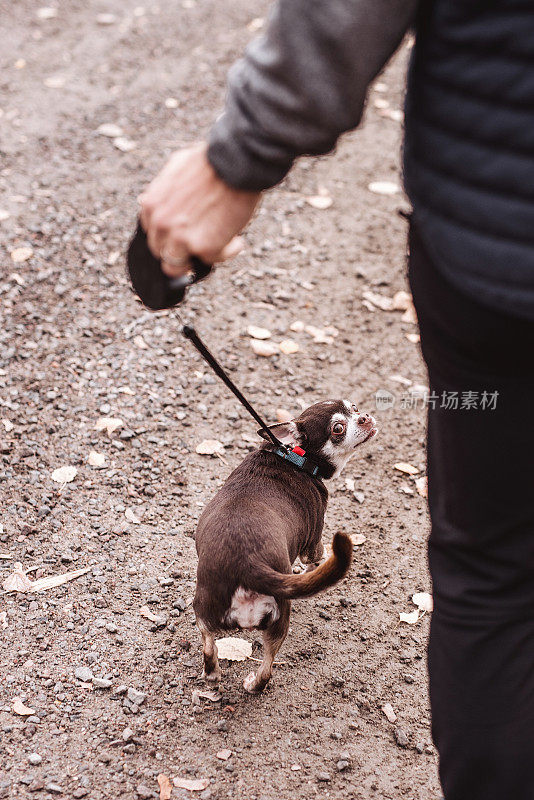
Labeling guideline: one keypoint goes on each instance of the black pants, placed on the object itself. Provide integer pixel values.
(481, 547)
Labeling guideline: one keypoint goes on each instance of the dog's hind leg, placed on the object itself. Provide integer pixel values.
(273, 638)
(212, 670)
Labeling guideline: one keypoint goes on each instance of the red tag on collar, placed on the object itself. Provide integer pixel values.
(298, 451)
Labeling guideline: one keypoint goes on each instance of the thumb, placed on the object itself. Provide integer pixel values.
(232, 249)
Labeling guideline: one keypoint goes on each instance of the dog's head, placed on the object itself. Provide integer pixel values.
(329, 432)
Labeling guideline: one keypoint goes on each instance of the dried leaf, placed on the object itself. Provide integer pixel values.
(258, 333)
(165, 787)
(131, 516)
(403, 466)
(97, 460)
(110, 130)
(378, 300)
(384, 187)
(47, 12)
(410, 618)
(401, 301)
(224, 755)
(18, 581)
(289, 346)
(319, 335)
(390, 715)
(320, 201)
(124, 144)
(21, 254)
(410, 314)
(358, 538)
(140, 343)
(20, 709)
(145, 612)
(58, 580)
(64, 474)
(197, 785)
(421, 484)
(297, 326)
(55, 82)
(256, 24)
(206, 694)
(8, 425)
(423, 601)
(233, 649)
(265, 349)
(108, 424)
(283, 416)
(105, 19)
(210, 447)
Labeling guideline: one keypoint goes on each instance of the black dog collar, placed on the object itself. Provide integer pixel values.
(297, 457)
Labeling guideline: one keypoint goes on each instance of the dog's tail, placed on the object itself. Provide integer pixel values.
(308, 583)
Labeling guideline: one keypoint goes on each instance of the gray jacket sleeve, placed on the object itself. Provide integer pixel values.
(302, 84)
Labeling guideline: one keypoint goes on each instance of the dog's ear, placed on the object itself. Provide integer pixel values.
(287, 432)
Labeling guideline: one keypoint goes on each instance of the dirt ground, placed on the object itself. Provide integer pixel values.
(77, 347)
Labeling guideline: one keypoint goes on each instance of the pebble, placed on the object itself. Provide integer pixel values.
(83, 674)
(102, 683)
(127, 734)
(323, 777)
(401, 737)
(35, 759)
(54, 788)
(143, 791)
(222, 725)
(136, 697)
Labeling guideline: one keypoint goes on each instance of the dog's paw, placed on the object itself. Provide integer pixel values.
(250, 684)
(213, 679)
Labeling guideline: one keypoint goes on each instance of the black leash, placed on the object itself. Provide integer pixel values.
(191, 334)
(158, 291)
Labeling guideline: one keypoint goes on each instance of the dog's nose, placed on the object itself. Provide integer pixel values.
(364, 419)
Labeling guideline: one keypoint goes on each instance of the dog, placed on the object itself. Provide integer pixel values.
(270, 512)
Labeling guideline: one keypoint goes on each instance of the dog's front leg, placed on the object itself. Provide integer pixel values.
(273, 638)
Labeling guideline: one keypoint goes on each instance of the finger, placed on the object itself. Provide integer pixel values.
(231, 250)
(174, 271)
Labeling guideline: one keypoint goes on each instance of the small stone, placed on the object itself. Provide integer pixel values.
(129, 748)
(408, 678)
(222, 725)
(37, 785)
(34, 759)
(323, 777)
(79, 793)
(122, 689)
(127, 734)
(111, 627)
(54, 788)
(143, 791)
(33, 720)
(136, 697)
(401, 737)
(102, 683)
(342, 765)
(104, 757)
(83, 674)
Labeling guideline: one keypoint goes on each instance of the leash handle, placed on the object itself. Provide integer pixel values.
(191, 334)
(157, 290)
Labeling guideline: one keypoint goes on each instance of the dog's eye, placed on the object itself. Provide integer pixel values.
(338, 428)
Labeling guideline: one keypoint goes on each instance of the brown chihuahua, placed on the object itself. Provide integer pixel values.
(269, 512)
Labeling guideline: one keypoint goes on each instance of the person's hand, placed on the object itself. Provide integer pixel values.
(188, 210)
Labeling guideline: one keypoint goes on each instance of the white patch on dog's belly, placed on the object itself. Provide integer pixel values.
(249, 608)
